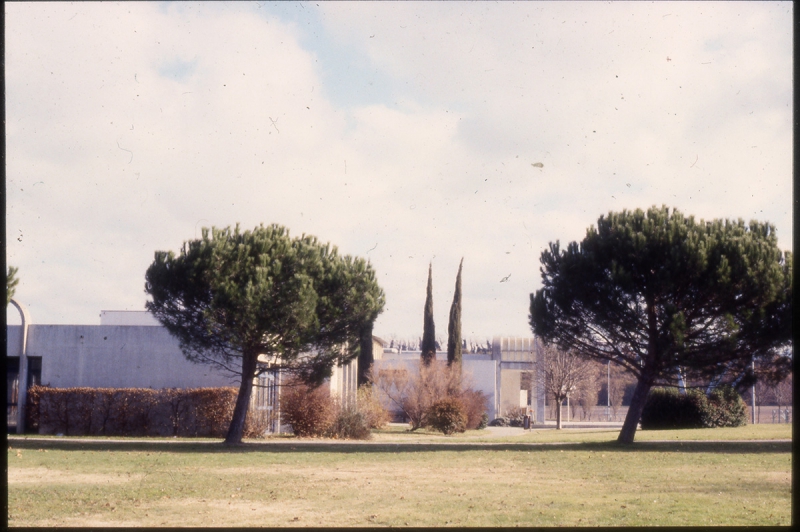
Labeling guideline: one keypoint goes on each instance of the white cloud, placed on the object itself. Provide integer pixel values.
(131, 126)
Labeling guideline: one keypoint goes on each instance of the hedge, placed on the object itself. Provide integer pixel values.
(667, 409)
(204, 412)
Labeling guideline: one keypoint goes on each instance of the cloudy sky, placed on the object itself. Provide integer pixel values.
(406, 133)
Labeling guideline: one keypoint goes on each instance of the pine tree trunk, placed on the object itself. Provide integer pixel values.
(638, 400)
(236, 429)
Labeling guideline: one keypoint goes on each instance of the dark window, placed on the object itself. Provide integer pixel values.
(34, 371)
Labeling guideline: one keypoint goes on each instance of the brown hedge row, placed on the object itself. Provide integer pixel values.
(204, 412)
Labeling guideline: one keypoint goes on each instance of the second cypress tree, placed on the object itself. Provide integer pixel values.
(454, 346)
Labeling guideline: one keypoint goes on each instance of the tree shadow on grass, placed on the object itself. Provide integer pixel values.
(327, 446)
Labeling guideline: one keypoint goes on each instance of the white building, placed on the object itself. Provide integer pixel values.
(130, 349)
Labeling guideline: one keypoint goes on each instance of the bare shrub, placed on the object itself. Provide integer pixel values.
(414, 392)
(369, 405)
(309, 411)
(476, 404)
(256, 424)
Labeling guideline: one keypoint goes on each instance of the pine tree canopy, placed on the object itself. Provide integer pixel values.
(231, 296)
(656, 292)
(11, 283)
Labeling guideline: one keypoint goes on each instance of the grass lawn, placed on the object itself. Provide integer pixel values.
(414, 479)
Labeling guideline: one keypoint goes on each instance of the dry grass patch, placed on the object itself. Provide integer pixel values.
(42, 475)
(596, 484)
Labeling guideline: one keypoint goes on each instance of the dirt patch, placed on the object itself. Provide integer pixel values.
(196, 512)
(42, 475)
(90, 522)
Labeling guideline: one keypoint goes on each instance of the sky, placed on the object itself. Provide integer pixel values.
(405, 133)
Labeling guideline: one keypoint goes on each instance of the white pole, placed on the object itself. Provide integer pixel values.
(608, 390)
(753, 396)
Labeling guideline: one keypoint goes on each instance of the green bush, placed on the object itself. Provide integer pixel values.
(499, 422)
(725, 408)
(516, 416)
(667, 409)
(448, 415)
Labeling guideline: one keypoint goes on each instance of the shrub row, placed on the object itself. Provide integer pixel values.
(667, 409)
(203, 412)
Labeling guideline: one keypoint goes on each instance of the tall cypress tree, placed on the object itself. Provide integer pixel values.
(428, 346)
(454, 327)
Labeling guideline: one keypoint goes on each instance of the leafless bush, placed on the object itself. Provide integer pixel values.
(414, 392)
(475, 405)
(369, 405)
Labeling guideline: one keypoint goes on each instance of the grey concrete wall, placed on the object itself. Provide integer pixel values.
(103, 356)
(14, 340)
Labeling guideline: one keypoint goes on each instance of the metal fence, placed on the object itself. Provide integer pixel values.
(771, 414)
(764, 414)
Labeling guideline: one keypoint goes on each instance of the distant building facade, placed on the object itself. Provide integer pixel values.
(131, 349)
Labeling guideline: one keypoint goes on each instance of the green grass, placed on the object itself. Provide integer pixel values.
(414, 479)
